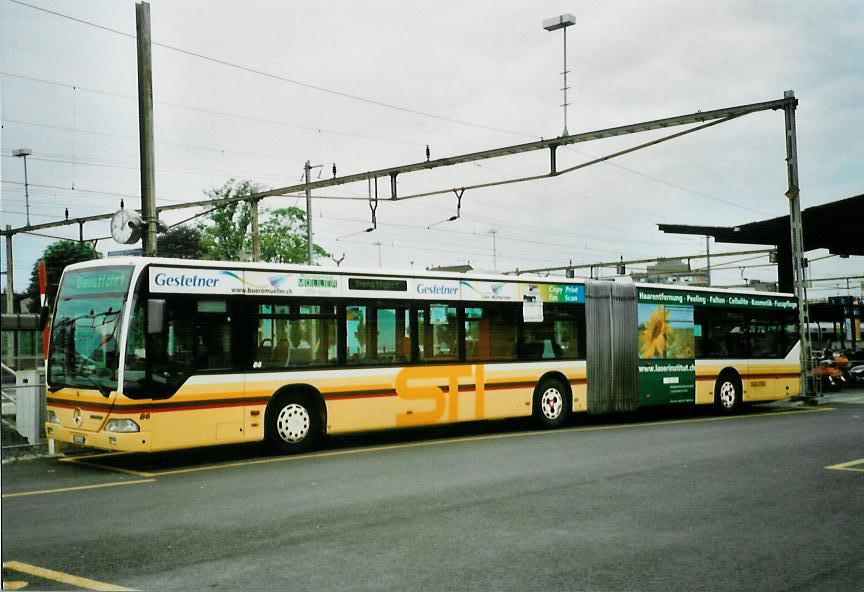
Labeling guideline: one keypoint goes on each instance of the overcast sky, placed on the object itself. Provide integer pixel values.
(368, 85)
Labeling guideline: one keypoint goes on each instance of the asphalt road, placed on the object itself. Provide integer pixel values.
(665, 501)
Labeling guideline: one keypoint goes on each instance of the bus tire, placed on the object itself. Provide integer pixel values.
(552, 402)
(727, 392)
(293, 424)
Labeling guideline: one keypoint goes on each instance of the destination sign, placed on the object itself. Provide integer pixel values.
(377, 284)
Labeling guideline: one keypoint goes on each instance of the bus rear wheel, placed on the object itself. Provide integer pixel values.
(551, 403)
(727, 393)
(293, 424)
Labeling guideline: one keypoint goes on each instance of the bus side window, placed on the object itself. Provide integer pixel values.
(561, 335)
(264, 352)
(438, 332)
(393, 333)
(357, 329)
(296, 335)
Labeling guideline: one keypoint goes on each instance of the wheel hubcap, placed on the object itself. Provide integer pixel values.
(551, 403)
(292, 423)
(727, 395)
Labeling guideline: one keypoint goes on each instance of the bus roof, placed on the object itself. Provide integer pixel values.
(388, 273)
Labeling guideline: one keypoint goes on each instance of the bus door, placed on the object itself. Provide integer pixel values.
(764, 343)
(189, 374)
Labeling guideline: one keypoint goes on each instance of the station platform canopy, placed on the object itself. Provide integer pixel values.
(837, 226)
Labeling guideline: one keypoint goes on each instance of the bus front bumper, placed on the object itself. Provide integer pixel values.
(123, 441)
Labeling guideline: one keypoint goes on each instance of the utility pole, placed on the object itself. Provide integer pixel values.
(797, 230)
(256, 239)
(145, 127)
(310, 251)
(708, 257)
(493, 232)
(378, 244)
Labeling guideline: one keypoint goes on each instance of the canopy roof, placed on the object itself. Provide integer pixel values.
(837, 226)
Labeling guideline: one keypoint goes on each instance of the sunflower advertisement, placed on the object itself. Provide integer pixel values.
(667, 370)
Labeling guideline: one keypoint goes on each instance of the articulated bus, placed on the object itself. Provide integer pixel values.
(151, 354)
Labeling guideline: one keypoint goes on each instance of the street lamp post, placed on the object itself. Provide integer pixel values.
(24, 153)
(553, 24)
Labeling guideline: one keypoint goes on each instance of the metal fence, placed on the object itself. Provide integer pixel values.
(22, 386)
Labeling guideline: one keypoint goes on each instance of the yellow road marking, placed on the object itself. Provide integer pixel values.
(16, 585)
(849, 466)
(77, 488)
(87, 463)
(59, 576)
(466, 439)
(98, 455)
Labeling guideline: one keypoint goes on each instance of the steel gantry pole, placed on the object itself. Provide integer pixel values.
(9, 336)
(797, 236)
(10, 277)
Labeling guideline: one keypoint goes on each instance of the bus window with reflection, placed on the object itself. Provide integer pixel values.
(196, 338)
(438, 332)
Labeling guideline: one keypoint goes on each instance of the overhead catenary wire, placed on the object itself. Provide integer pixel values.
(347, 95)
(478, 252)
(450, 231)
(434, 229)
(162, 169)
(98, 162)
(313, 129)
(252, 118)
(280, 78)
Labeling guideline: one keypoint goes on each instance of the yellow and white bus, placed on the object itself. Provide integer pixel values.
(155, 354)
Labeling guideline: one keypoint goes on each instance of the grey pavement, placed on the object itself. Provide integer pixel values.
(666, 500)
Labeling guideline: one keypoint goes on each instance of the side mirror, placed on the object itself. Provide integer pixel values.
(155, 316)
(44, 313)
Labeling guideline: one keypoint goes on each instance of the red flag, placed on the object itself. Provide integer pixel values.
(43, 287)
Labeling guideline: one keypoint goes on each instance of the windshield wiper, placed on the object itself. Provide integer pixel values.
(103, 389)
(57, 386)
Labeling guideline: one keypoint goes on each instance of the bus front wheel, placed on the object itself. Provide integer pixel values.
(551, 403)
(727, 393)
(293, 424)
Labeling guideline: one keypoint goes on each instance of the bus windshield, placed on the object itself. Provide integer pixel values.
(86, 329)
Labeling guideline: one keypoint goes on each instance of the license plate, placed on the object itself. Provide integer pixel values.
(77, 438)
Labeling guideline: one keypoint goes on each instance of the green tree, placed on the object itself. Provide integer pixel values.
(181, 242)
(56, 257)
(226, 233)
(283, 237)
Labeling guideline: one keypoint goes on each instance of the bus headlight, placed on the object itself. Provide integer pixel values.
(121, 425)
(51, 417)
